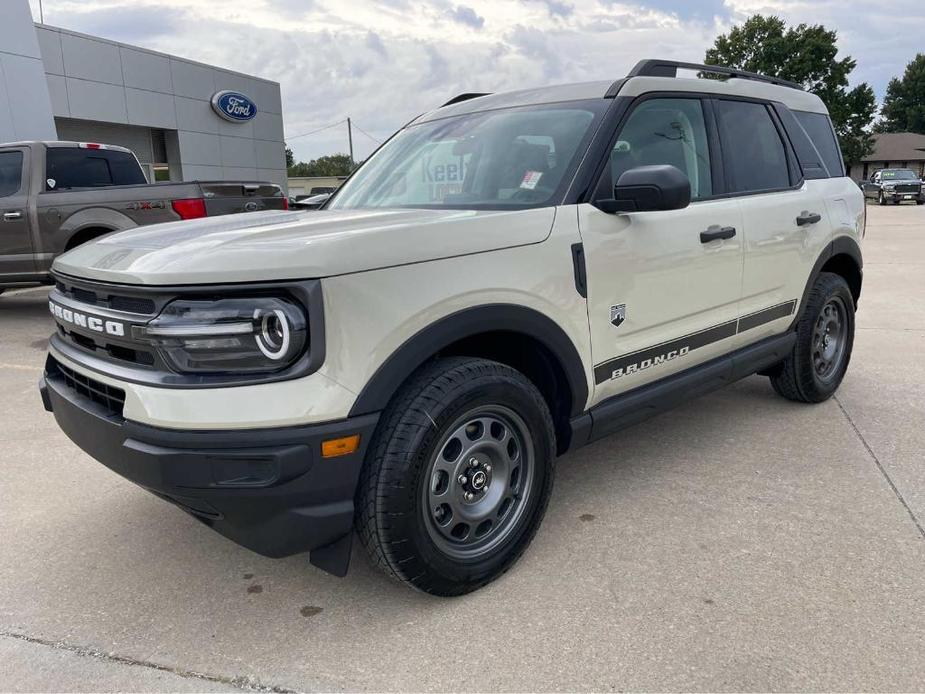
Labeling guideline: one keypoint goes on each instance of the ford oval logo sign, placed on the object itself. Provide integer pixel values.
(234, 106)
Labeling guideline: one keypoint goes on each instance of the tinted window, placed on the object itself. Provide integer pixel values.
(666, 131)
(10, 173)
(754, 153)
(71, 167)
(819, 128)
(504, 159)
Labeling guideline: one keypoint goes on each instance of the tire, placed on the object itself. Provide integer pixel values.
(825, 337)
(452, 420)
(880, 199)
(920, 202)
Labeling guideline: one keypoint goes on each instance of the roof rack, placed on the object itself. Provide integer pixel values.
(669, 68)
(465, 97)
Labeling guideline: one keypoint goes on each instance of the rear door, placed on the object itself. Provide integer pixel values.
(661, 299)
(16, 253)
(785, 218)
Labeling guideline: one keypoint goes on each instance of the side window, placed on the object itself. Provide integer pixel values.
(666, 131)
(10, 173)
(124, 168)
(754, 152)
(819, 129)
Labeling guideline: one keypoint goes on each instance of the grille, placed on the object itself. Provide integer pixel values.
(112, 399)
(129, 304)
(908, 188)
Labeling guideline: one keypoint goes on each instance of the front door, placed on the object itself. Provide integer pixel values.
(16, 259)
(660, 298)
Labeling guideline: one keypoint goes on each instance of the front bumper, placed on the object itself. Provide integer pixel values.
(903, 197)
(269, 490)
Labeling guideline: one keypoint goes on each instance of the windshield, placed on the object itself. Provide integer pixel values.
(505, 159)
(898, 174)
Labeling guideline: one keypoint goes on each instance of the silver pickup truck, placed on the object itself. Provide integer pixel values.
(56, 195)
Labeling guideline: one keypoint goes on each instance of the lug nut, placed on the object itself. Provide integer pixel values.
(469, 496)
(487, 467)
(462, 479)
(474, 462)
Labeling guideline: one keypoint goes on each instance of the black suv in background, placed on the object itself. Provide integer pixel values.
(894, 185)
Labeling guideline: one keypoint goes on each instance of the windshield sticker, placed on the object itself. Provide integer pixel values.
(531, 179)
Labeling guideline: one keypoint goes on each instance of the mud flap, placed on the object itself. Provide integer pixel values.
(335, 557)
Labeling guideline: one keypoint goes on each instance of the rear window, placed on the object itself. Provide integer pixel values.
(819, 129)
(70, 167)
(754, 150)
(10, 173)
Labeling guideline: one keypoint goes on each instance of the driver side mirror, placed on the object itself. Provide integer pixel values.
(649, 189)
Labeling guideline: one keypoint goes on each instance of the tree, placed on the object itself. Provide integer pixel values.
(904, 106)
(806, 55)
(330, 165)
(290, 158)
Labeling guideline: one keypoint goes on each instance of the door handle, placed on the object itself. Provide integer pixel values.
(11, 216)
(807, 218)
(717, 232)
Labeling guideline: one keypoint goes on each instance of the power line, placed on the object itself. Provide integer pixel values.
(374, 139)
(317, 130)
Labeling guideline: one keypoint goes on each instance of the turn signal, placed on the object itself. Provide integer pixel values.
(342, 446)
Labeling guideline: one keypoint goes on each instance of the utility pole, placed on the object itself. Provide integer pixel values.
(350, 139)
(41, 13)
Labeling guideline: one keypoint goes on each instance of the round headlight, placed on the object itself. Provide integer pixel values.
(273, 338)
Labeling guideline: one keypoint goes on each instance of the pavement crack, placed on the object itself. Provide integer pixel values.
(241, 682)
(882, 469)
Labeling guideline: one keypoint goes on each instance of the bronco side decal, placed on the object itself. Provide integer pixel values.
(643, 359)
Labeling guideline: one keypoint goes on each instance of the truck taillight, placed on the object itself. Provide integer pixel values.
(191, 208)
(285, 203)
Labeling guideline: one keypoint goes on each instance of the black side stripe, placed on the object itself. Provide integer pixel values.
(671, 349)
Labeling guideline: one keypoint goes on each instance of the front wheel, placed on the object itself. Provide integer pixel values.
(825, 337)
(880, 199)
(458, 476)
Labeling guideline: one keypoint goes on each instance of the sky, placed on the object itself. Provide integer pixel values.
(382, 62)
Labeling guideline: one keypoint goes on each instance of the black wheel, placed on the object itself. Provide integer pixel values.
(920, 202)
(825, 336)
(880, 199)
(458, 476)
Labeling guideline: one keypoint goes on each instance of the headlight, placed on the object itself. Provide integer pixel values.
(238, 335)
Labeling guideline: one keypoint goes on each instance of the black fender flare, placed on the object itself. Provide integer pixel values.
(842, 245)
(469, 322)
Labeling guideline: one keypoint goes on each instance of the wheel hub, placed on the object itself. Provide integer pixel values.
(829, 337)
(479, 478)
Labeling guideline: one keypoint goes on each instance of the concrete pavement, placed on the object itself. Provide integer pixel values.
(741, 542)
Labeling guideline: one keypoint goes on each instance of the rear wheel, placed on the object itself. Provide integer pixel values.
(825, 337)
(458, 476)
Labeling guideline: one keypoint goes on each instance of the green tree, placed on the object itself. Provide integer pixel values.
(904, 106)
(806, 55)
(290, 158)
(330, 165)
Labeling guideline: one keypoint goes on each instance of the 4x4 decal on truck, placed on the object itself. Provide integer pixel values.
(669, 351)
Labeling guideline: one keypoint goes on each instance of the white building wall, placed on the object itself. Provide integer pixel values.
(25, 108)
(95, 79)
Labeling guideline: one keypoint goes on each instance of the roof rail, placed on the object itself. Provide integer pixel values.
(669, 68)
(465, 97)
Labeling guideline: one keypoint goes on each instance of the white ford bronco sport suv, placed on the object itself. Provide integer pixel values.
(508, 278)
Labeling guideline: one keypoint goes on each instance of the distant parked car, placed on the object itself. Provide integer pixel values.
(894, 185)
(310, 202)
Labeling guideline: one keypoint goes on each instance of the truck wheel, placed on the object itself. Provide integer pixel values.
(457, 477)
(825, 336)
(880, 199)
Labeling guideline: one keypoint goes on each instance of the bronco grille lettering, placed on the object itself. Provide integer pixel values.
(84, 320)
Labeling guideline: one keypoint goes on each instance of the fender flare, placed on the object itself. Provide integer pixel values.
(90, 218)
(469, 322)
(842, 245)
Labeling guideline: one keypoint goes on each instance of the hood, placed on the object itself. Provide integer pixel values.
(277, 245)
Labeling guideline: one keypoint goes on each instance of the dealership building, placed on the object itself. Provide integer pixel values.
(184, 120)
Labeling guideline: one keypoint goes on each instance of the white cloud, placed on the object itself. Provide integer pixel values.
(384, 61)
